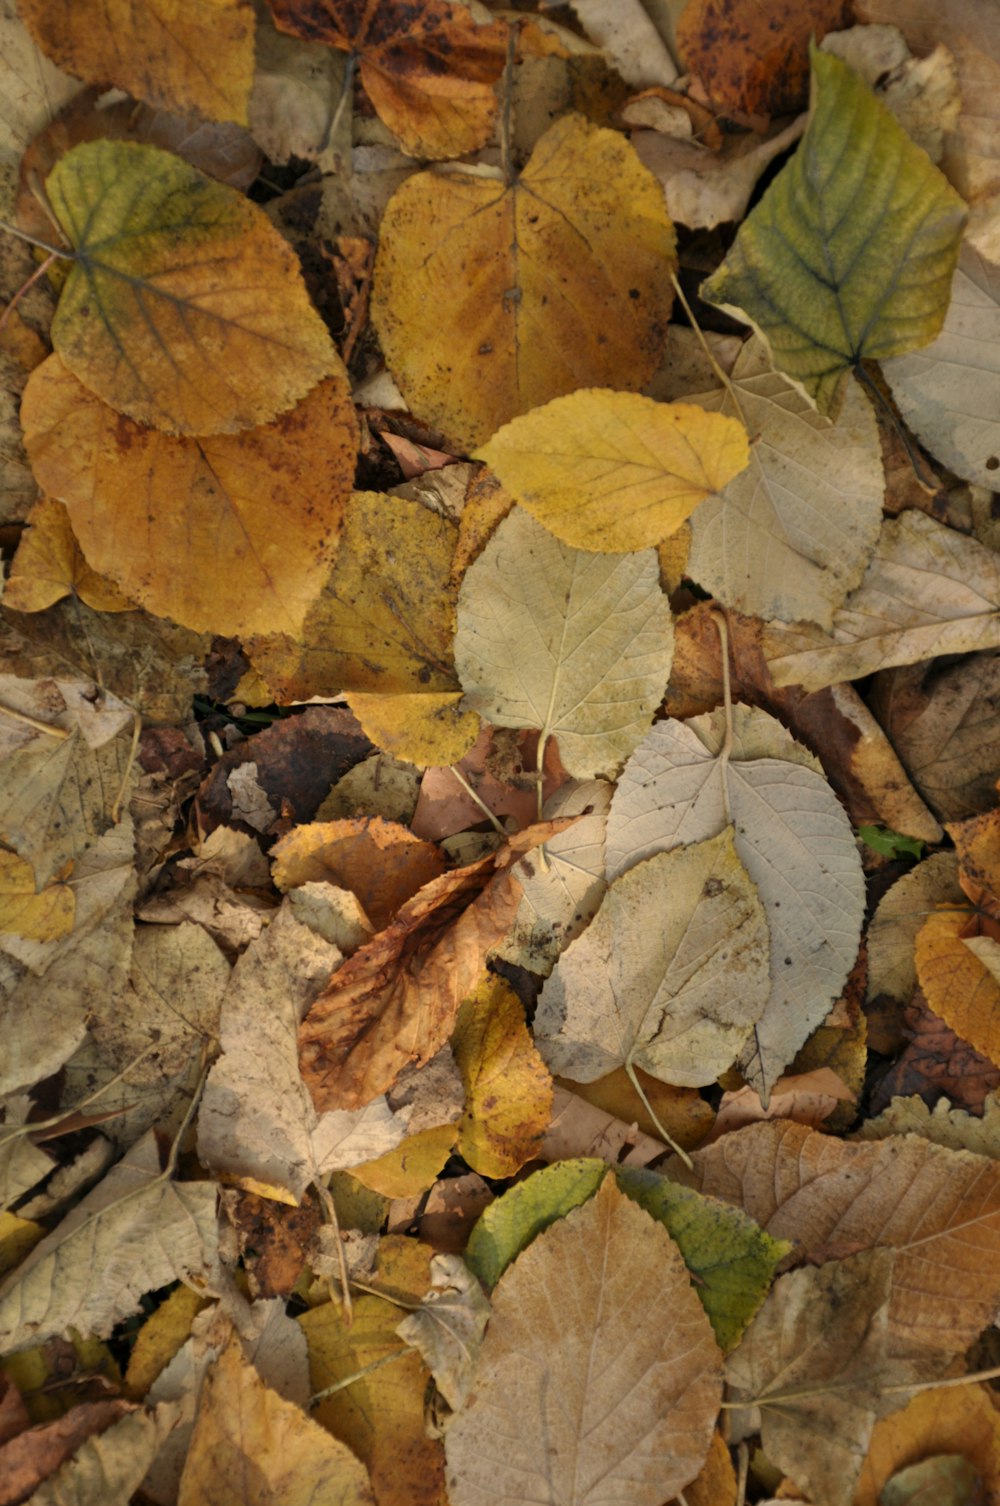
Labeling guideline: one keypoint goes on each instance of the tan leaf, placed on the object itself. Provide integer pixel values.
(49, 565)
(928, 591)
(112, 1465)
(225, 534)
(508, 1091)
(448, 1327)
(196, 57)
(569, 1338)
(395, 1001)
(27, 1460)
(899, 916)
(381, 862)
(938, 1209)
(244, 1429)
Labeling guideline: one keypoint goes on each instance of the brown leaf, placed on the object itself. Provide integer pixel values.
(936, 1064)
(381, 862)
(952, 1420)
(755, 59)
(31, 1457)
(957, 985)
(394, 1002)
(939, 1209)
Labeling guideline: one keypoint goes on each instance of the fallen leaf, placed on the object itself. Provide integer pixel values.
(629, 38)
(613, 471)
(111, 1466)
(38, 915)
(510, 1223)
(199, 57)
(568, 1337)
(93, 1269)
(36, 1453)
(948, 1420)
(898, 917)
(160, 1338)
(381, 862)
(429, 68)
(227, 534)
(508, 1092)
(935, 1061)
(571, 285)
(577, 645)
(959, 987)
(448, 1326)
(293, 103)
(805, 1098)
(501, 768)
(938, 1209)
(420, 728)
(49, 565)
(893, 617)
(792, 534)
(705, 188)
(715, 1483)
(791, 835)
(682, 1112)
(243, 1428)
(861, 202)
(394, 1002)
(679, 998)
(923, 93)
(755, 62)
(147, 321)
(409, 1168)
(579, 1127)
(32, 89)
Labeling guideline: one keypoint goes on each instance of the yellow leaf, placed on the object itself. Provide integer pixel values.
(412, 1167)
(614, 471)
(428, 730)
(160, 1337)
(959, 988)
(490, 299)
(381, 862)
(508, 1090)
(184, 308)
(17, 1237)
(38, 916)
(186, 55)
(229, 534)
(49, 565)
(245, 1432)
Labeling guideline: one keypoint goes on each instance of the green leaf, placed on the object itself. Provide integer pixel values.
(850, 253)
(890, 844)
(731, 1257)
(510, 1224)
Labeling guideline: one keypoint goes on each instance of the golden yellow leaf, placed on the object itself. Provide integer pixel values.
(24, 911)
(185, 307)
(17, 1237)
(245, 1432)
(186, 55)
(50, 564)
(230, 534)
(384, 623)
(491, 299)
(614, 471)
(428, 730)
(412, 1166)
(508, 1090)
(428, 68)
(958, 987)
(160, 1337)
(947, 1420)
(381, 862)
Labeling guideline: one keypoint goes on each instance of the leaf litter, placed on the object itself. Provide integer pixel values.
(515, 1002)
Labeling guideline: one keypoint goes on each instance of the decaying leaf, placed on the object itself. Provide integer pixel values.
(613, 471)
(569, 1337)
(951, 1420)
(577, 645)
(447, 1328)
(850, 253)
(756, 61)
(184, 307)
(508, 1092)
(381, 862)
(528, 291)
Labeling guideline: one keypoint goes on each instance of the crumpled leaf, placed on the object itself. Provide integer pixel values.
(938, 1209)
(613, 471)
(184, 307)
(949, 393)
(792, 836)
(381, 862)
(256, 1120)
(448, 1326)
(756, 61)
(39, 915)
(792, 534)
(428, 68)
(394, 1002)
(227, 534)
(569, 1336)
(49, 565)
(508, 1092)
(293, 105)
(571, 287)
(849, 255)
(576, 645)
(928, 591)
(245, 1430)
(679, 997)
(196, 57)
(135, 1232)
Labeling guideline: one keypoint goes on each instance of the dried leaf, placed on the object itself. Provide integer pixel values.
(49, 565)
(952, 1419)
(755, 62)
(39, 915)
(508, 1092)
(959, 986)
(571, 287)
(111, 1467)
(381, 862)
(448, 1326)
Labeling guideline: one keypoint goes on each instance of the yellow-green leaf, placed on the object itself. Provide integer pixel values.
(510, 1223)
(612, 471)
(184, 307)
(850, 253)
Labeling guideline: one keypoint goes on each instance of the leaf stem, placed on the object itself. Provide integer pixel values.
(330, 1214)
(722, 375)
(467, 787)
(25, 287)
(33, 240)
(667, 1138)
(349, 1380)
(30, 721)
(719, 618)
(506, 160)
(346, 92)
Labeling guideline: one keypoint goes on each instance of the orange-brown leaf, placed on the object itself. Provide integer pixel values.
(754, 59)
(381, 862)
(957, 986)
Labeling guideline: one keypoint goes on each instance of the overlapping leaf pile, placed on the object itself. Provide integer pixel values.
(480, 1084)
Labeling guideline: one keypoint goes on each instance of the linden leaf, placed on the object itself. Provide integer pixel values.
(508, 1092)
(43, 916)
(381, 862)
(49, 565)
(959, 986)
(577, 645)
(612, 471)
(428, 68)
(755, 59)
(850, 253)
(184, 307)
(491, 299)
(678, 998)
(187, 527)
